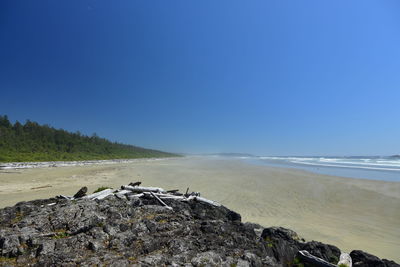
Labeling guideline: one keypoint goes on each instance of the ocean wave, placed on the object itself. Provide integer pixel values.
(346, 166)
(391, 164)
(345, 162)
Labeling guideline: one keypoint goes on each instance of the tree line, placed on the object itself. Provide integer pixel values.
(34, 142)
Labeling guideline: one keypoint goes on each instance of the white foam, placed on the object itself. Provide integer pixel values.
(346, 166)
(381, 164)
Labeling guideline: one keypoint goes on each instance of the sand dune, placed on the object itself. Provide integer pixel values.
(349, 213)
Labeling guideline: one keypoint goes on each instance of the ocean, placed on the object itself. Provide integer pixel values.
(373, 168)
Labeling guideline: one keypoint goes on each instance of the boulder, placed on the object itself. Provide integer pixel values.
(364, 259)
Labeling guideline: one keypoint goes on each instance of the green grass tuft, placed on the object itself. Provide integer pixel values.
(61, 234)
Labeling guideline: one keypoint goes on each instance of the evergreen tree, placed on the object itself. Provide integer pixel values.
(34, 142)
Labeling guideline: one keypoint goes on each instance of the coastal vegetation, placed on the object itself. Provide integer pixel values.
(34, 142)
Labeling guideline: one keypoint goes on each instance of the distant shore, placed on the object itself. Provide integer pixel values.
(350, 213)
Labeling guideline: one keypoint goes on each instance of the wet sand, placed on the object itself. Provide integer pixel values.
(349, 213)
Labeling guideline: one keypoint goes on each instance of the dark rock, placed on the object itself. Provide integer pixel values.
(132, 231)
(234, 216)
(363, 259)
(326, 252)
(281, 243)
(390, 263)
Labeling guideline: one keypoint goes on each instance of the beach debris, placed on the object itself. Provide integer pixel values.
(141, 189)
(135, 184)
(173, 191)
(135, 190)
(204, 200)
(40, 187)
(81, 192)
(162, 202)
(186, 194)
(101, 195)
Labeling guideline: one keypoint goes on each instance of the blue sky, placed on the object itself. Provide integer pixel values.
(264, 77)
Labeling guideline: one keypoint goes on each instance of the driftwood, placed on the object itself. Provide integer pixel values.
(204, 200)
(129, 192)
(162, 202)
(122, 192)
(305, 256)
(100, 195)
(141, 189)
(105, 194)
(81, 192)
(163, 196)
(187, 191)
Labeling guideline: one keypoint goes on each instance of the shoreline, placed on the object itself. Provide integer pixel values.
(338, 169)
(72, 163)
(350, 213)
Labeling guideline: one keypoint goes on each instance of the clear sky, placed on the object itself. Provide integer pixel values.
(264, 77)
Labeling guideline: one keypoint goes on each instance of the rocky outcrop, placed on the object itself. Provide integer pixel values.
(125, 231)
(363, 259)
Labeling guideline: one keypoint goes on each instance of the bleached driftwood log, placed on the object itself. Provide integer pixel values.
(140, 189)
(172, 197)
(128, 191)
(122, 192)
(305, 256)
(100, 195)
(211, 202)
(202, 199)
(345, 259)
(165, 196)
(162, 202)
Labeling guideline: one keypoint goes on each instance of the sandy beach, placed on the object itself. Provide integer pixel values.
(349, 213)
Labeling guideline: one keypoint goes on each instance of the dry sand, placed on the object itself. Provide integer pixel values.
(349, 213)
